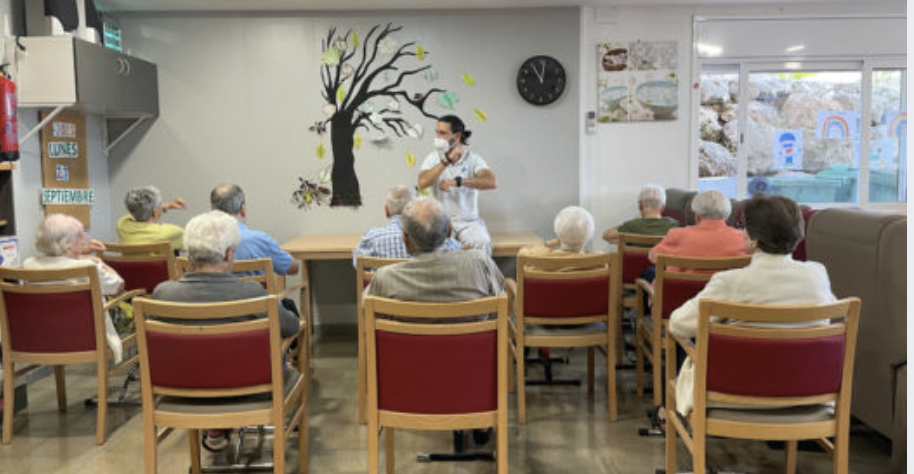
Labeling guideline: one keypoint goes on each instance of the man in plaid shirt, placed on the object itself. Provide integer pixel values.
(387, 241)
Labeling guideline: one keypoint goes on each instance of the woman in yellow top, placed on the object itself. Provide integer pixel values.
(142, 225)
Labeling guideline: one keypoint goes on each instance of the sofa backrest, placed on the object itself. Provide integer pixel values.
(866, 256)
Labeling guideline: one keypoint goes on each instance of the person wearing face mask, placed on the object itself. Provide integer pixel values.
(456, 175)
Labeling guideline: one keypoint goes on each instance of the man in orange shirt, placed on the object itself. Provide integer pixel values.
(710, 237)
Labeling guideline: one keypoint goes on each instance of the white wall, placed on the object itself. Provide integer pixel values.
(238, 93)
(621, 157)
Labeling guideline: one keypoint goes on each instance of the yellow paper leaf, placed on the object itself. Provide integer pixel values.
(308, 196)
(480, 115)
(468, 79)
(354, 40)
(420, 52)
(340, 95)
(321, 151)
(410, 158)
(356, 142)
(424, 192)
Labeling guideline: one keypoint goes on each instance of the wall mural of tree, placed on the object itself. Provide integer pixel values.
(362, 84)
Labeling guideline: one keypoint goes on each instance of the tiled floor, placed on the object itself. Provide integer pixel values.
(566, 432)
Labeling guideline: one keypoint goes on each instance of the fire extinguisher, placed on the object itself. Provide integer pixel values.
(9, 124)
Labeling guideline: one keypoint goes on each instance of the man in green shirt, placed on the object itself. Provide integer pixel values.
(651, 201)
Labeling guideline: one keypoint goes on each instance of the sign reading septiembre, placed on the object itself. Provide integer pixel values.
(63, 149)
(67, 196)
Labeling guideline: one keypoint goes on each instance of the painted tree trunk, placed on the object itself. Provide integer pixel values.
(345, 182)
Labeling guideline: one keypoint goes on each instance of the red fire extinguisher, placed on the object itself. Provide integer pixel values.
(9, 124)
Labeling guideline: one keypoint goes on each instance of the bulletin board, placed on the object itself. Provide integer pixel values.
(65, 167)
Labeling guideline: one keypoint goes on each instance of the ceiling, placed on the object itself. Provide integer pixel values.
(325, 5)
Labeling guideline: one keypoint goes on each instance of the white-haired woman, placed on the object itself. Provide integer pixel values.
(62, 242)
(574, 228)
(710, 236)
(145, 209)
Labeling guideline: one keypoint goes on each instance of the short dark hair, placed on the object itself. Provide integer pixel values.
(775, 222)
(457, 126)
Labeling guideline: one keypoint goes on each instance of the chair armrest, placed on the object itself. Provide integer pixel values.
(687, 345)
(123, 297)
(645, 286)
(302, 332)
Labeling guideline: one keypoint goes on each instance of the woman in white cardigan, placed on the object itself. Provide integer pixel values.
(774, 227)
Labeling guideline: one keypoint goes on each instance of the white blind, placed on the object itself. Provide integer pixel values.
(801, 37)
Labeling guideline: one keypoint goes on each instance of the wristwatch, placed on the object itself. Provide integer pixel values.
(459, 181)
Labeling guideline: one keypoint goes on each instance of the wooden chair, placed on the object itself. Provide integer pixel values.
(56, 317)
(633, 250)
(436, 373)
(800, 376)
(364, 270)
(142, 266)
(678, 279)
(198, 375)
(259, 270)
(566, 302)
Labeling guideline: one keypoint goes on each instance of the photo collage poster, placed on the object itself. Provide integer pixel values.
(637, 81)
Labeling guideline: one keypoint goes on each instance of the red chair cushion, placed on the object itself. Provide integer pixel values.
(775, 367)
(211, 361)
(61, 322)
(677, 291)
(141, 275)
(437, 374)
(566, 298)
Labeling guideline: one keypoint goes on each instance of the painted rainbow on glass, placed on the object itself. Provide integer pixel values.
(835, 127)
(899, 125)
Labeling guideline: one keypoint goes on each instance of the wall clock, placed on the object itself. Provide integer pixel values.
(541, 80)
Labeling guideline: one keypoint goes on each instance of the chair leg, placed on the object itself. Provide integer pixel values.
(657, 367)
(193, 437)
(363, 371)
(639, 363)
(150, 447)
(699, 450)
(790, 457)
(389, 460)
(521, 386)
(842, 441)
(611, 386)
(373, 445)
(279, 448)
(102, 409)
(303, 454)
(9, 396)
(590, 369)
(670, 446)
(60, 378)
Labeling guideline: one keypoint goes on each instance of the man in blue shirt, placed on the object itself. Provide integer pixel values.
(229, 198)
(387, 241)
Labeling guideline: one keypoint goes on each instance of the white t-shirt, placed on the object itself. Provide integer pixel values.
(458, 203)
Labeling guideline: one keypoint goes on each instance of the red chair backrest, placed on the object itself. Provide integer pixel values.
(144, 275)
(437, 374)
(51, 322)
(775, 367)
(633, 265)
(209, 361)
(561, 298)
(677, 291)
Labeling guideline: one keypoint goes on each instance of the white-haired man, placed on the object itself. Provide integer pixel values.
(387, 241)
(211, 239)
(651, 202)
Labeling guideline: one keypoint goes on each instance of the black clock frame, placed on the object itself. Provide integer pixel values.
(541, 80)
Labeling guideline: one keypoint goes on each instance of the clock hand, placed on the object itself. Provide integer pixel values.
(540, 74)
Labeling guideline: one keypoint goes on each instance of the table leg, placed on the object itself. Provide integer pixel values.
(304, 302)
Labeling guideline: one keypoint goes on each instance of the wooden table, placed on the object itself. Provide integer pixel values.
(307, 248)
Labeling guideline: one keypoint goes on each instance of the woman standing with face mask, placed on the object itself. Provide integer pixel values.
(456, 175)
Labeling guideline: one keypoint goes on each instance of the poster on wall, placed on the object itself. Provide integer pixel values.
(637, 81)
(65, 167)
(837, 124)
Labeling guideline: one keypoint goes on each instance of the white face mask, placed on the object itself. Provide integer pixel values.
(442, 145)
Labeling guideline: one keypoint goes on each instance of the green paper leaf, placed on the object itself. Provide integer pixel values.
(448, 100)
(331, 57)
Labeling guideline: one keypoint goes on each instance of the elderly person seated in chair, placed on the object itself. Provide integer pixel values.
(145, 209)
(574, 228)
(774, 227)
(651, 202)
(210, 240)
(62, 242)
(710, 237)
